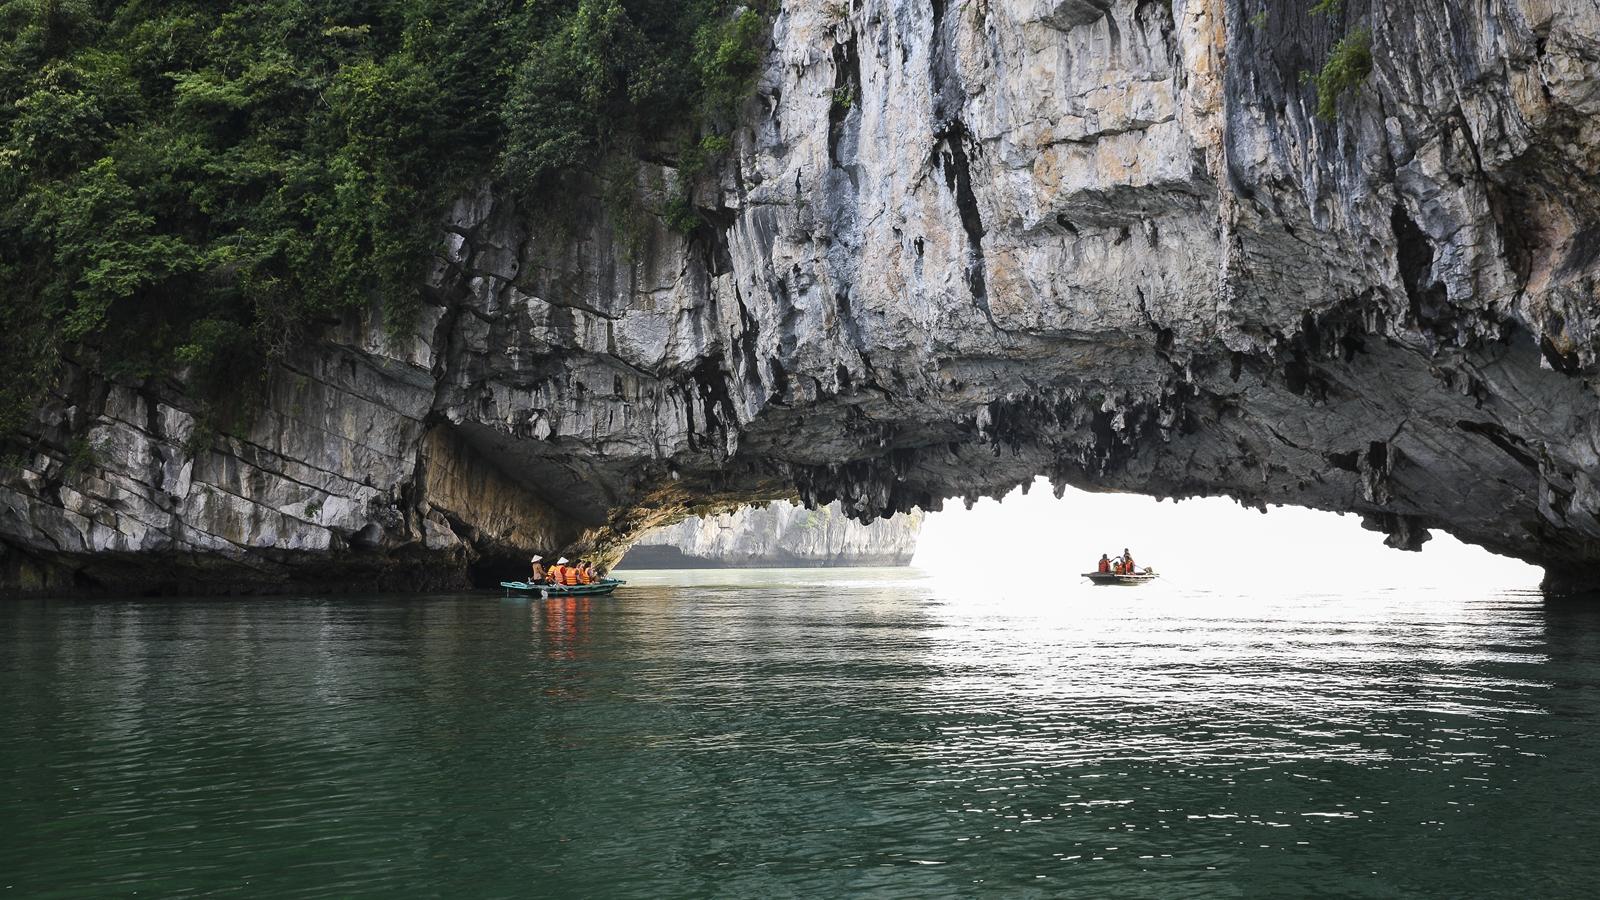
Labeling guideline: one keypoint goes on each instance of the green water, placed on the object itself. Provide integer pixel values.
(802, 734)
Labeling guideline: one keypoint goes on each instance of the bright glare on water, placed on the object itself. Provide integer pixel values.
(815, 733)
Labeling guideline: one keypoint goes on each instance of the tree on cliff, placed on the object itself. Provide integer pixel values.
(197, 185)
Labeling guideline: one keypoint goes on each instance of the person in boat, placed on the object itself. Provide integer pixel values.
(569, 574)
(539, 576)
(1105, 564)
(585, 572)
(1127, 562)
(558, 572)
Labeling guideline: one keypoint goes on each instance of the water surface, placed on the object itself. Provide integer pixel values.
(802, 733)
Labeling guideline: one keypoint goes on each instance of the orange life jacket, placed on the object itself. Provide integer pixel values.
(584, 577)
(569, 575)
(1105, 565)
(554, 574)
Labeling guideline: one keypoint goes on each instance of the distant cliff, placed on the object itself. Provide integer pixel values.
(778, 535)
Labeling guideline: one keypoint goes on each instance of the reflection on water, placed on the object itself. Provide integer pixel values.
(805, 732)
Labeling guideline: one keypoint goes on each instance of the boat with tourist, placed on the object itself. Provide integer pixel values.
(1120, 571)
(563, 579)
(593, 589)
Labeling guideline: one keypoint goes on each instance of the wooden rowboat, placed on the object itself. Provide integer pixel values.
(603, 586)
(1104, 578)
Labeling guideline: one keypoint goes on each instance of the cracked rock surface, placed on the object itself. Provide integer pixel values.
(956, 245)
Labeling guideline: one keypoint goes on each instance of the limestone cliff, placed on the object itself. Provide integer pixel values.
(957, 245)
(778, 535)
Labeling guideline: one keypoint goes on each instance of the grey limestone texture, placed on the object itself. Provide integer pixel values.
(778, 535)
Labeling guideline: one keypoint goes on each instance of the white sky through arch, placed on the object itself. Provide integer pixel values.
(1206, 542)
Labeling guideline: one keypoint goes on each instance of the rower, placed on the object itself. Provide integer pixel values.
(538, 576)
(1127, 562)
(1105, 563)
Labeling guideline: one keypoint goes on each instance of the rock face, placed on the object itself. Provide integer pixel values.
(779, 535)
(956, 246)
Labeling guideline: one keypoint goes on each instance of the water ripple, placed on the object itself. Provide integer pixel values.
(733, 734)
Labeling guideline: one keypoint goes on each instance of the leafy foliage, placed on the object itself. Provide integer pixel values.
(1348, 65)
(202, 183)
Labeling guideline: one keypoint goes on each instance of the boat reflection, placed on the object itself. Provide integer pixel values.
(564, 625)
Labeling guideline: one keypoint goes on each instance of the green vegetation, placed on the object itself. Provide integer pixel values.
(694, 160)
(1259, 20)
(81, 455)
(202, 184)
(1348, 64)
(1327, 7)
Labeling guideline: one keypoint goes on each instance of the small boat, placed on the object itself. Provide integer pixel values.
(1103, 578)
(603, 586)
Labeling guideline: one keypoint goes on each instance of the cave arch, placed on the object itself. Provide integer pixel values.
(1189, 286)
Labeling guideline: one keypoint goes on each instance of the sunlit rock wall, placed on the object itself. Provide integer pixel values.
(778, 535)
